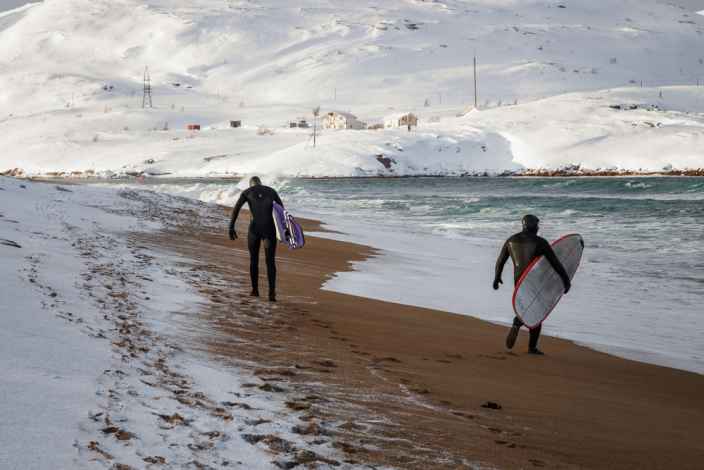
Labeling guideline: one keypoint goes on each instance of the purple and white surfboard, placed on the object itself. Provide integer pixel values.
(288, 231)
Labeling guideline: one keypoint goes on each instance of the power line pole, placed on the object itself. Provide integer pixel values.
(316, 112)
(475, 82)
(147, 95)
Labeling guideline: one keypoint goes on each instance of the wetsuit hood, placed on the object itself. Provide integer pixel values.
(530, 223)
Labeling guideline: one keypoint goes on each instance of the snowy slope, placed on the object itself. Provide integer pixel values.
(638, 129)
(71, 79)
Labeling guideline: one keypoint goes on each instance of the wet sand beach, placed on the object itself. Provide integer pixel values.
(423, 389)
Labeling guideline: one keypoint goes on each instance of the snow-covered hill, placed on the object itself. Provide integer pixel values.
(71, 85)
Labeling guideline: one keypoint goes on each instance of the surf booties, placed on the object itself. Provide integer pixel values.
(260, 200)
(523, 248)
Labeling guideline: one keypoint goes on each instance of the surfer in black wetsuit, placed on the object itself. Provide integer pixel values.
(261, 200)
(523, 248)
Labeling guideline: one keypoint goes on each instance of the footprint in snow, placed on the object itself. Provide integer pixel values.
(9, 243)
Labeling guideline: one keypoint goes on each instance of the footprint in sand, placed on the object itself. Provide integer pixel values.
(392, 359)
(360, 353)
(326, 363)
(492, 405)
(271, 388)
(490, 356)
(298, 406)
(462, 414)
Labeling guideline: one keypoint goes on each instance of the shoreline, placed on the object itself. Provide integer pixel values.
(632, 352)
(527, 173)
(661, 357)
(201, 374)
(429, 372)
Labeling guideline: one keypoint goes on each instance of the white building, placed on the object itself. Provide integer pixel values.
(401, 120)
(342, 120)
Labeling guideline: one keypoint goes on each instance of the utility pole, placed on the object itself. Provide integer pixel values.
(316, 112)
(475, 82)
(147, 95)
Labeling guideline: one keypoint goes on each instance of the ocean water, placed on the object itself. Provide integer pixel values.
(638, 293)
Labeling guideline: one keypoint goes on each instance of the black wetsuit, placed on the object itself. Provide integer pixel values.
(523, 248)
(261, 201)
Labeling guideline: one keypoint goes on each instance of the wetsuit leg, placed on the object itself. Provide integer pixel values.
(534, 335)
(253, 243)
(270, 253)
(513, 333)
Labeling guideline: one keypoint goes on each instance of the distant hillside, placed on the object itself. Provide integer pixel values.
(71, 71)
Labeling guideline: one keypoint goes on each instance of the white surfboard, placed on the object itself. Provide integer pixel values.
(540, 288)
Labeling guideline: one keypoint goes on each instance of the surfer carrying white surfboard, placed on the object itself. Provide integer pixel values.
(523, 248)
(261, 200)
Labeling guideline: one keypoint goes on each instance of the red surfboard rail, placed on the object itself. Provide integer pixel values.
(525, 273)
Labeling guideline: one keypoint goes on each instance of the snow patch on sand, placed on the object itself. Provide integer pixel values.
(92, 352)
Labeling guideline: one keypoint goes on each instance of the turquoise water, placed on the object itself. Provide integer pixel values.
(651, 227)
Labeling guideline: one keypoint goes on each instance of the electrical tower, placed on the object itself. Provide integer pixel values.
(147, 96)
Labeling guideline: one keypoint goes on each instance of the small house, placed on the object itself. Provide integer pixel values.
(235, 124)
(193, 127)
(342, 120)
(401, 120)
(299, 122)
